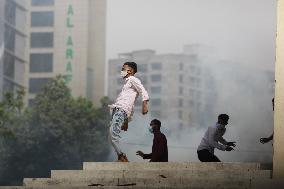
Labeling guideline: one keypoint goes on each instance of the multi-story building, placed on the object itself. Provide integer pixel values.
(174, 83)
(1, 46)
(13, 40)
(67, 38)
(44, 38)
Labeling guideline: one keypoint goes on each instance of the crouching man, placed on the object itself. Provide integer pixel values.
(160, 147)
(211, 139)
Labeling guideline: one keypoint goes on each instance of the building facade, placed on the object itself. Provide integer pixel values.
(67, 38)
(13, 41)
(174, 83)
(45, 38)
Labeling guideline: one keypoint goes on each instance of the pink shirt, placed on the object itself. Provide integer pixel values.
(130, 91)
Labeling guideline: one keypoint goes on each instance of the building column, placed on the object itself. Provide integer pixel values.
(97, 48)
(278, 159)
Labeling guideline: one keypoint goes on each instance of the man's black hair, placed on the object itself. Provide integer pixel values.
(132, 65)
(223, 117)
(156, 122)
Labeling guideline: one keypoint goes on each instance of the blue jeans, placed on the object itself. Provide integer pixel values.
(119, 117)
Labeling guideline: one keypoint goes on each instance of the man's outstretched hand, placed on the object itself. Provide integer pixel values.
(229, 148)
(124, 127)
(231, 144)
(139, 153)
(264, 140)
(145, 107)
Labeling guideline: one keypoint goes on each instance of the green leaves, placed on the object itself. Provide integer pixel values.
(57, 132)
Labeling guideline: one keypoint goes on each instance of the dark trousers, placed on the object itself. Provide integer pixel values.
(206, 156)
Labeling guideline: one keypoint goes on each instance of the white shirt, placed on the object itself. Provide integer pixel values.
(130, 91)
(212, 136)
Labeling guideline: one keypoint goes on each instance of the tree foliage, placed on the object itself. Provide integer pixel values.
(57, 132)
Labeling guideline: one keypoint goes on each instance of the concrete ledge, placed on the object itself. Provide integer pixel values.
(169, 173)
(161, 182)
(254, 184)
(169, 165)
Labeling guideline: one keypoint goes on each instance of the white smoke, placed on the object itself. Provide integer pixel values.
(244, 93)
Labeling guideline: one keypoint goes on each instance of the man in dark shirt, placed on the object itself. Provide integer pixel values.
(159, 148)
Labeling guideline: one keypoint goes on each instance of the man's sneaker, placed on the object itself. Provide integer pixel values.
(122, 158)
(125, 158)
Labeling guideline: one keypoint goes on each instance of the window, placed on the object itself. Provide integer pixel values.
(180, 114)
(191, 92)
(143, 79)
(42, 19)
(20, 46)
(9, 66)
(42, 40)
(198, 106)
(180, 90)
(180, 102)
(10, 12)
(21, 17)
(156, 90)
(41, 62)
(90, 79)
(192, 81)
(198, 95)
(118, 68)
(156, 66)
(198, 71)
(10, 35)
(191, 103)
(142, 68)
(8, 86)
(42, 2)
(19, 77)
(181, 66)
(156, 78)
(181, 78)
(37, 84)
(192, 68)
(155, 102)
(198, 83)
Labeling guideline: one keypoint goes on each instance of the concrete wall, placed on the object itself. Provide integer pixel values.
(278, 159)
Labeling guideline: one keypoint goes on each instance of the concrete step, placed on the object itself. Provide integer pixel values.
(113, 187)
(144, 182)
(166, 173)
(254, 184)
(170, 165)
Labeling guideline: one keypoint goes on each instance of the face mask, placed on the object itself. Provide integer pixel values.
(222, 126)
(123, 74)
(150, 129)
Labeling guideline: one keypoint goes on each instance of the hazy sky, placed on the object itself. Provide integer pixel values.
(240, 30)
